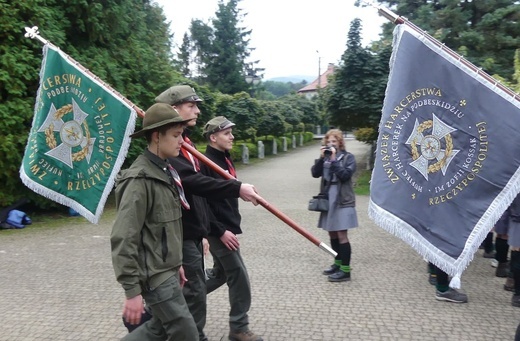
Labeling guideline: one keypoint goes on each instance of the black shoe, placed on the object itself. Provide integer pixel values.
(451, 295)
(332, 270)
(339, 276)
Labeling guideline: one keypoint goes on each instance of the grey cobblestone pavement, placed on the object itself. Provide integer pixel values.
(58, 283)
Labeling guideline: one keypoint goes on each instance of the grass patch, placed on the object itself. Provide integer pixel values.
(48, 220)
(57, 217)
(362, 182)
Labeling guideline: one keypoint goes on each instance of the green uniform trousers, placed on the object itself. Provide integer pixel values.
(195, 289)
(171, 318)
(229, 268)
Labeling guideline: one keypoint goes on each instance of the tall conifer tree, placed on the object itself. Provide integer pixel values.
(355, 94)
(229, 50)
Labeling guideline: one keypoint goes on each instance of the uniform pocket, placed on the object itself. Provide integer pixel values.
(164, 242)
(165, 237)
(166, 215)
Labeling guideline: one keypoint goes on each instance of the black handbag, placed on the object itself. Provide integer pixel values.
(319, 203)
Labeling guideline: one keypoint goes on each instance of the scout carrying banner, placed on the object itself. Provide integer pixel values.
(448, 153)
(79, 136)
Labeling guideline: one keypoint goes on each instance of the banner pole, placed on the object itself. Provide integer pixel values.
(262, 201)
(34, 34)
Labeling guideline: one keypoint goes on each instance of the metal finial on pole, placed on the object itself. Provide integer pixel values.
(33, 33)
(388, 14)
(385, 12)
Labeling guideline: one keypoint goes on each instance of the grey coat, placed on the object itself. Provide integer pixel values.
(341, 170)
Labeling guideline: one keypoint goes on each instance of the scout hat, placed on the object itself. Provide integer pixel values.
(158, 115)
(217, 124)
(178, 94)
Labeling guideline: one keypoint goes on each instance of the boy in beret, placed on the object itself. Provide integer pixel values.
(229, 267)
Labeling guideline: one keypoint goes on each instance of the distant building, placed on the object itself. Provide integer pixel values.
(311, 90)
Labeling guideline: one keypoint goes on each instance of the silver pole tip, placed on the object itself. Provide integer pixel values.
(328, 249)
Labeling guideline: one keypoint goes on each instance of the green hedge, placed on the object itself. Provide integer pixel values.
(236, 152)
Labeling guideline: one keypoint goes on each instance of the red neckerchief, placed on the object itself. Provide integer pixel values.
(231, 169)
(178, 183)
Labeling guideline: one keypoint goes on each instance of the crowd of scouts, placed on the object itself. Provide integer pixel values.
(169, 205)
(173, 210)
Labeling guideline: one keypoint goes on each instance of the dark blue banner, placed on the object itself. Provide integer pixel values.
(448, 153)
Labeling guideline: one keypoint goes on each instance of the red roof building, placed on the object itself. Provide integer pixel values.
(311, 90)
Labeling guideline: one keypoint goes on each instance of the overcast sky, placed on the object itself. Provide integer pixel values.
(286, 33)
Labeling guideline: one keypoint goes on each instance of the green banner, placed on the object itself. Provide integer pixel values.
(79, 136)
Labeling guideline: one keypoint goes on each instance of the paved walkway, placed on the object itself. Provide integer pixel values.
(58, 283)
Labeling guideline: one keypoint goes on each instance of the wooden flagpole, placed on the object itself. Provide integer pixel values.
(33, 33)
(262, 202)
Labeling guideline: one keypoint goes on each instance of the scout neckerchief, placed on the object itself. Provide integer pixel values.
(177, 181)
(231, 169)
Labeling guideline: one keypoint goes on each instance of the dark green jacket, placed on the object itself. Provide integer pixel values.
(146, 237)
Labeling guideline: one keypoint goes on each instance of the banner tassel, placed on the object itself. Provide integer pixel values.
(455, 282)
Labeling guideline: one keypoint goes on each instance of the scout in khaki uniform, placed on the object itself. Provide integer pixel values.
(146, 237)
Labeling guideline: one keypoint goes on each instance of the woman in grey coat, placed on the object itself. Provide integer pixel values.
(336, 167)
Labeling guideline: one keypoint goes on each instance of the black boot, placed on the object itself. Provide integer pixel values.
(344, 252)
(502, 249)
